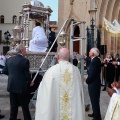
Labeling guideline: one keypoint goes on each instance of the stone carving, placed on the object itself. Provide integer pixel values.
(36, 59)
(36, 3)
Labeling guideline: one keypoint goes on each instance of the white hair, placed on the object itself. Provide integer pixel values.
(19, 48)
(95, 51)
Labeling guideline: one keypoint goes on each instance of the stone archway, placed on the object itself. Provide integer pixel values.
(76, 44)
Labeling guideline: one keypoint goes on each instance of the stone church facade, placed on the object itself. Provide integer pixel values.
(85, 10)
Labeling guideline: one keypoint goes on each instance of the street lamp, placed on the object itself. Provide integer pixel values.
(7, 37)
(63, 36)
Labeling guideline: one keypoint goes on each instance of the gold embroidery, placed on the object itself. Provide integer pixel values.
(65, 98)
(67, 76)
(65, 117)
(65, 94)
(65, 101)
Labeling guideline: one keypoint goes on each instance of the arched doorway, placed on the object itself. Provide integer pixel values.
(14, 19)
(76, 44)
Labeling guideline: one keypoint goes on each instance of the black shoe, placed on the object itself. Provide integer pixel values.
(87, 107)
(104, 89)
(102, 85)
(2, 116)
(91, 115)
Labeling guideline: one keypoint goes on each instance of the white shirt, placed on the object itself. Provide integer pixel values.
(2, 60)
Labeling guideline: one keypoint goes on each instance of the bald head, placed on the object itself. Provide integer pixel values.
(63, 54)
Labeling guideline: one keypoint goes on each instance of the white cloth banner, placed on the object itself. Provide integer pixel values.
(113, 28)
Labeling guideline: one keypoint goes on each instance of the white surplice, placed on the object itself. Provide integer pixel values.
(39, 42)
(113, 111)
(60, 94)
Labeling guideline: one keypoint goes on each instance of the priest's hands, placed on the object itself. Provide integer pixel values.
(115, 84)
(110, 91)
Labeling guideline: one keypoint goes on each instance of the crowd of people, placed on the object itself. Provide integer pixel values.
(111, 69)
(60, 93)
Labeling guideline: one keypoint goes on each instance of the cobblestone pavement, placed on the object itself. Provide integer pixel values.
(5, 109)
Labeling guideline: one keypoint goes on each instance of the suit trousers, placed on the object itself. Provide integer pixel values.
(94, 97)
(17, 100)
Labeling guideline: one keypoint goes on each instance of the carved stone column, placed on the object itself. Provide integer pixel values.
(27, 32)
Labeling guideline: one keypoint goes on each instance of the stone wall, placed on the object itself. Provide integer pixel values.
(110, 9)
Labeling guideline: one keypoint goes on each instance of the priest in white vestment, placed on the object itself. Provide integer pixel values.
(39, 42)
(60, 94)
(113, 111)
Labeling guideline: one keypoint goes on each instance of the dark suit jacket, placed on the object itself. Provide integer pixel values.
(51, 40)
(17, 69)
(94, 84)
(94, 72)
(118, 66)
(110, 71)
(117, 70)
(75, 61)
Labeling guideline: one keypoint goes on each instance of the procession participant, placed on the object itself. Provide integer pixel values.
(39, 42)
(60, 94)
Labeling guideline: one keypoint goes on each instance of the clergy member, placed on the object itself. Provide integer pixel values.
(113, 111)
(39, 42)
(60, 94)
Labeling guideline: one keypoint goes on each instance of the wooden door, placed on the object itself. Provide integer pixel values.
(76, 44)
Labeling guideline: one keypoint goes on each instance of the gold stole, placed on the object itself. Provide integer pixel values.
(65, 94)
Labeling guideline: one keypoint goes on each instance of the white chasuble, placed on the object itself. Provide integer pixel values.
(113, 111)
(60, 94)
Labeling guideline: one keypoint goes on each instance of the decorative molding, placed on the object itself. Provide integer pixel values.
(36, 58)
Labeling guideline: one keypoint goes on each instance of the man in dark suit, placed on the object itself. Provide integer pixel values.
(116, 67)
(75, 61)
(52, 37)
(94, 83)
(17, 69)
(109, 71)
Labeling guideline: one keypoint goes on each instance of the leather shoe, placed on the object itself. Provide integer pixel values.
(87, 107)
(1, 116)
(91, 115)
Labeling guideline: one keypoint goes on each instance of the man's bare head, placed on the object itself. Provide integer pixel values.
(63, 54)
(93, 52)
